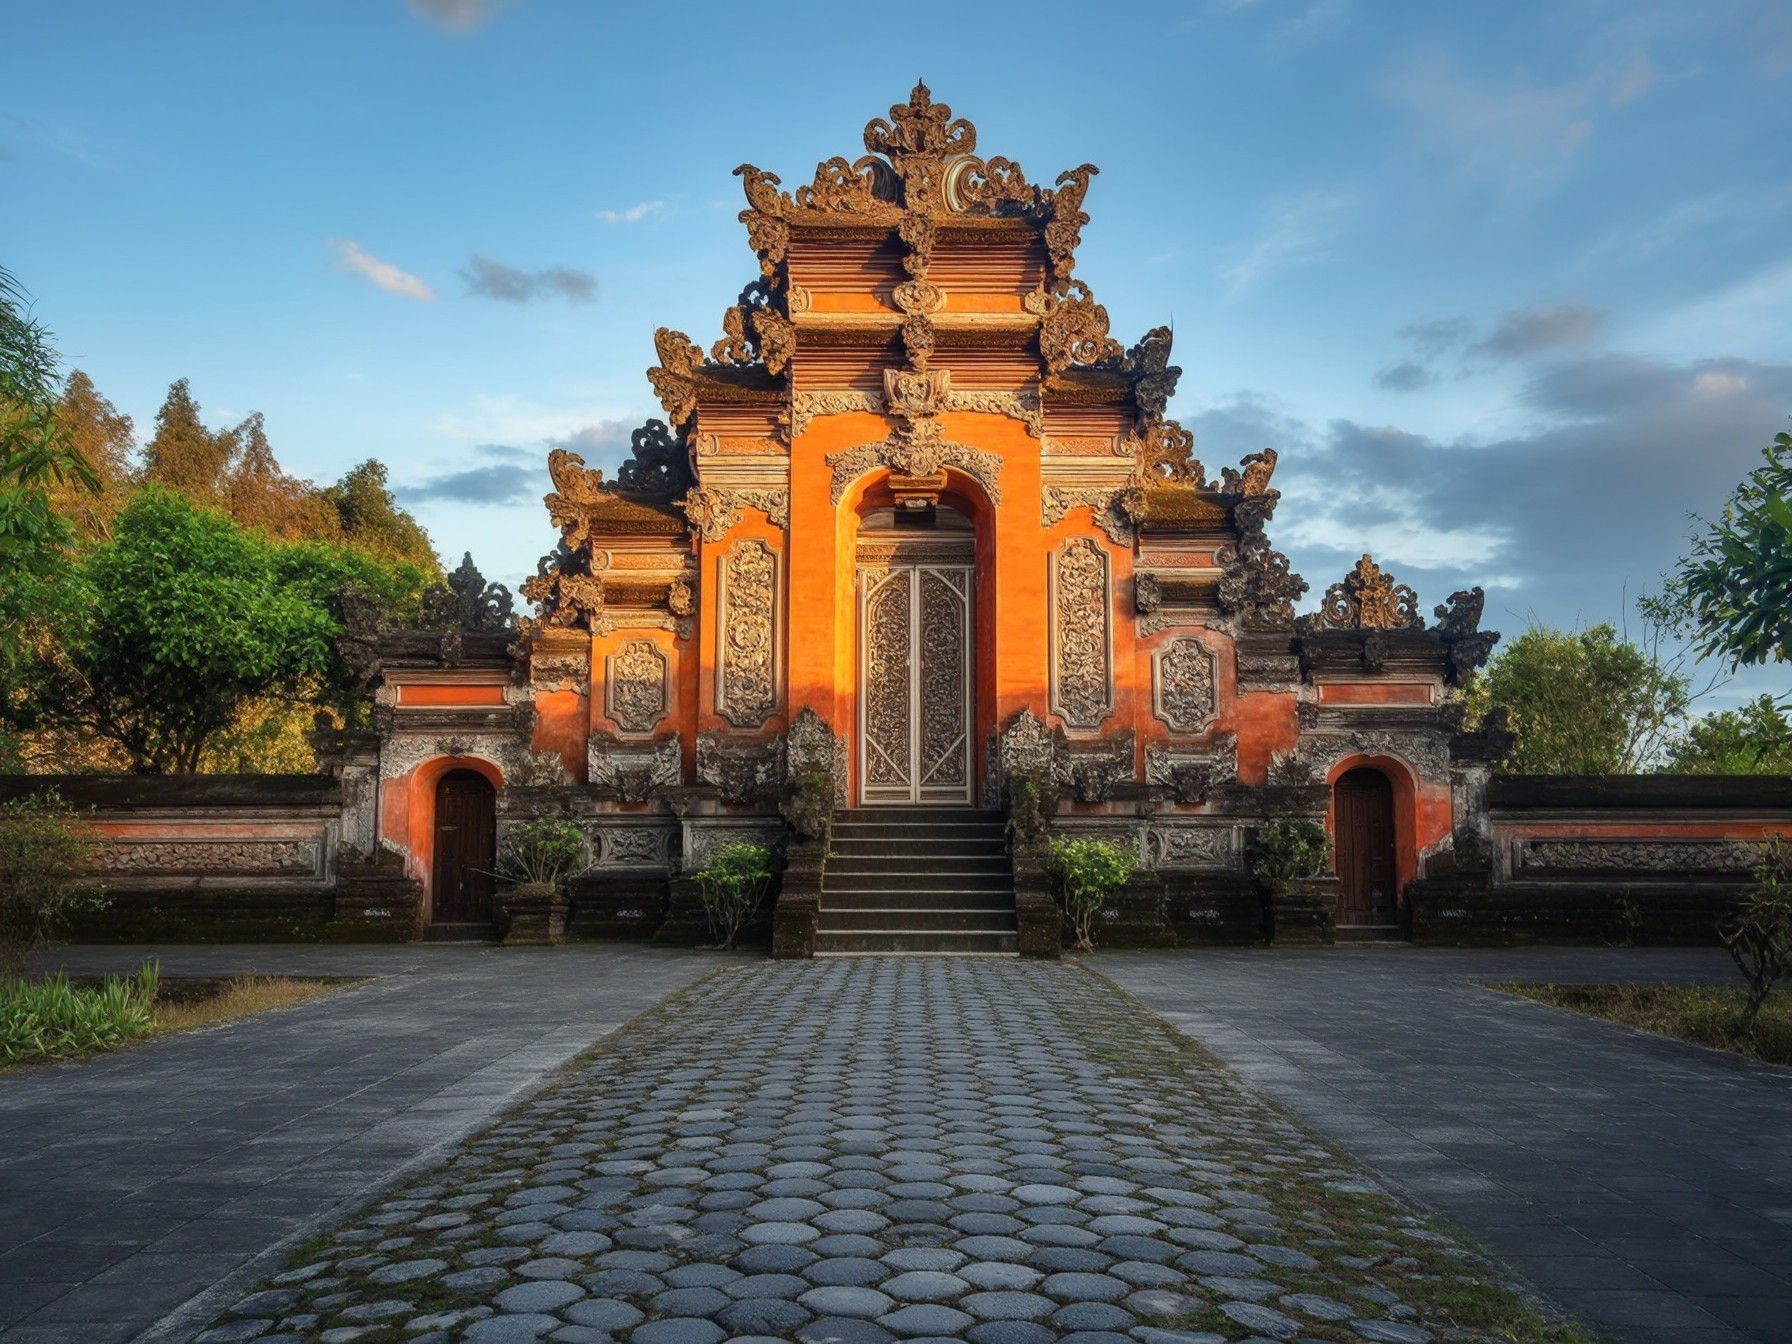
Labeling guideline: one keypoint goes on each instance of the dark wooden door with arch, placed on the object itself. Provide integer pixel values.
(466, 848)
(1363, 834)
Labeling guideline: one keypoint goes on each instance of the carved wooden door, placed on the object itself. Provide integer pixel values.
(914, 683)
(466, 845)
(1363, 819)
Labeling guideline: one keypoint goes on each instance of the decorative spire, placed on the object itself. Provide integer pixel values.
(1367, 599)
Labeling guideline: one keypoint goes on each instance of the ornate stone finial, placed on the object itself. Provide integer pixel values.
(1459, 622)
(468, 602)
(1166, 457)
(1153, 377)
(674, 378)
(1367, 599)
(1254, 479)
(1073, 328)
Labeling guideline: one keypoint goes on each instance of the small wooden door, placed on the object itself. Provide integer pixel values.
(1363, 821)
(466, 848)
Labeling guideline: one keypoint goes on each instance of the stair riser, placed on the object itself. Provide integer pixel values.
(917, 900)
(917, 849)
(917, 921)
(986, 944)
(857, 864)
(961, 815)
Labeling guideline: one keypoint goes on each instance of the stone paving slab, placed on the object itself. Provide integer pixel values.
(869, 1151)
(1644, 1183)
(134, 1182)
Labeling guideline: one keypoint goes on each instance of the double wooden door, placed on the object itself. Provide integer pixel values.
(1363, 827)
(466, 848)
(915, 683)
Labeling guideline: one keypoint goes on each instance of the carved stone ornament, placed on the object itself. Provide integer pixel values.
(1082, 680)
(811, 746)
(634, 770)
(806, 406)
(746, 635)
(1104, 507)
(632, 846)
(1192, 774)
(741, 771)
(1253, 479)
(559, 671)
(1073, 328)
(635, 689)
(1257, 586)
(289, 858)
(909, 457)
(681, 598)
(712, 511)
(1166, 457)
(1459, 622)
(400, 754)
(1635, 856)
(1428, 753)
(1192, 846)
(1027, 744)
(1153, 377)
(1093, 769)
(1184, 685)
(1366, 599)
(674, 378)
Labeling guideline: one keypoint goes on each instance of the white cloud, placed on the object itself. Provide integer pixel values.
(352, 257)
(456, 16)
(1296, 234)
(633, 215)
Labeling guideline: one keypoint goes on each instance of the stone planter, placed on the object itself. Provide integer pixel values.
(533, 913)
(1301, 912)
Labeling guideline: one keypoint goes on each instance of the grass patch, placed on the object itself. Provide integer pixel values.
(59, 1018)
(1703, 1014)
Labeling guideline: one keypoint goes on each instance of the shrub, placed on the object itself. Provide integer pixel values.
(544, 853)
(52, 1019)
(48, 857)
(1288, 850)
(1032, 798)
(807, 803)
(1086, 873)
(732, 881)
(1759, 938)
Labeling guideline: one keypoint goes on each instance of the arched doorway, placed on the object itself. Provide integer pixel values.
(466, 849)
(1363, 838)
(915, 574)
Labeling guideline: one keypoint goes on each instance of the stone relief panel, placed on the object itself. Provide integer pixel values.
(1634, 856)
(633, 846)
(301, 858)
(700, 839)
(635, 686)
(634, 770)
(1193, 775)
(1082, 680)
(399, 755)
(1184, 685)
(1428, 753)
(746, 635)
(1192, 846)
(741, 771)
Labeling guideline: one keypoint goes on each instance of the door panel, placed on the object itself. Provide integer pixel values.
(466, 844)
(1363, 821)
(914, 687)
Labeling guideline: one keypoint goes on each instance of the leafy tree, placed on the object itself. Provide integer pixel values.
(186, 621)
(372, 522)
(1753, 740)
(183, 454)
(1736, 583)
(258, 493)
(105, 439)
(1585, 702)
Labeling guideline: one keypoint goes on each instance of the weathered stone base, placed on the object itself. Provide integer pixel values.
(618, 907)
(1465, 910)
(221, 914)
(375, 903)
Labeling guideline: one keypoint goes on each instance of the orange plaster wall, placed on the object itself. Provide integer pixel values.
(1376, 693)
(450, 693)
(1422, 811)
(561, 725)
(408, 811)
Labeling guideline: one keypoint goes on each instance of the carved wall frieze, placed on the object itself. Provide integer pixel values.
(912, 458)
(634, 770)
(740, 770)
(1192, 846)
(1082, 680)
(746, 635)
(632, 846)
(1055, 501)
(1366, 599)
(616, 622)
(1428, 753)
(635, 686)
(289, 858)
(1092, 769)
(1021, 406)
(712, 511)
(1184, 685)
(559, 671)
(806, 406)
(402, 753)
(1634, 856)
(1192, 773)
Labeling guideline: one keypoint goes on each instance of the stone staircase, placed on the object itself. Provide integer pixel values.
(917, 879)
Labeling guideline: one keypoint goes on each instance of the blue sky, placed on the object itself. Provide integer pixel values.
(1509, 286)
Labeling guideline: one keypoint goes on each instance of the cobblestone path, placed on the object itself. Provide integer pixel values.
(854, 1152)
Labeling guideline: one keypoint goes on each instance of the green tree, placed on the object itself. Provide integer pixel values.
(183, 454)
(105, 439)
(186, 621)
(1583, 702)
(1735, 585)
(372, 522)
(259, 494)
(1753, 740)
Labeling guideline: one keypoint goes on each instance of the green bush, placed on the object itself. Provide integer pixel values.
(1085, 873)
(1759, 938)
(1288, 850)
(54, 1019)
(48, 858)
(545, 852)
(732, 881)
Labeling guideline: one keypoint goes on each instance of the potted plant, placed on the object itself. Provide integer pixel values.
(1084, 874)
(732, 881)
(1287, 856)
(535, 861)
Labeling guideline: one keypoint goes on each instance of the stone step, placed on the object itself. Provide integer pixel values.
(460, 933)
(932, 847)
(917, 900)
(916, 816)
(864, 943)
(908, 920)
(931, 866)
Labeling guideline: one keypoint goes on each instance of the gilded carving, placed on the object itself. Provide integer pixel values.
(1367, 599)
(1073, 328)
(1104, 506)
(635, 691)
(915, 457)
(674, 378)
(1082, 682)
(805, 406)
(1166, 457)
(746, 635)
(1183, 685)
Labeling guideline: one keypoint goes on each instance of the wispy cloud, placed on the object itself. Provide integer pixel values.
(510, 476)
(1295, 233)
(352, 257)
(1437, 336)
(495, 280)
(1406, 376)
(1523, 332)
(633, 215)
(455, 16)
(1514, 133)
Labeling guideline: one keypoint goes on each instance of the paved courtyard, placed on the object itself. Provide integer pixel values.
(1644, 1183)
(133, 1182)
(864, 1151)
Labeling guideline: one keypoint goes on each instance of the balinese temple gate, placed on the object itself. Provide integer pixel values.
(918, 519)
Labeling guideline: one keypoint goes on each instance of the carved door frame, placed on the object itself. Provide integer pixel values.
(960, 579)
